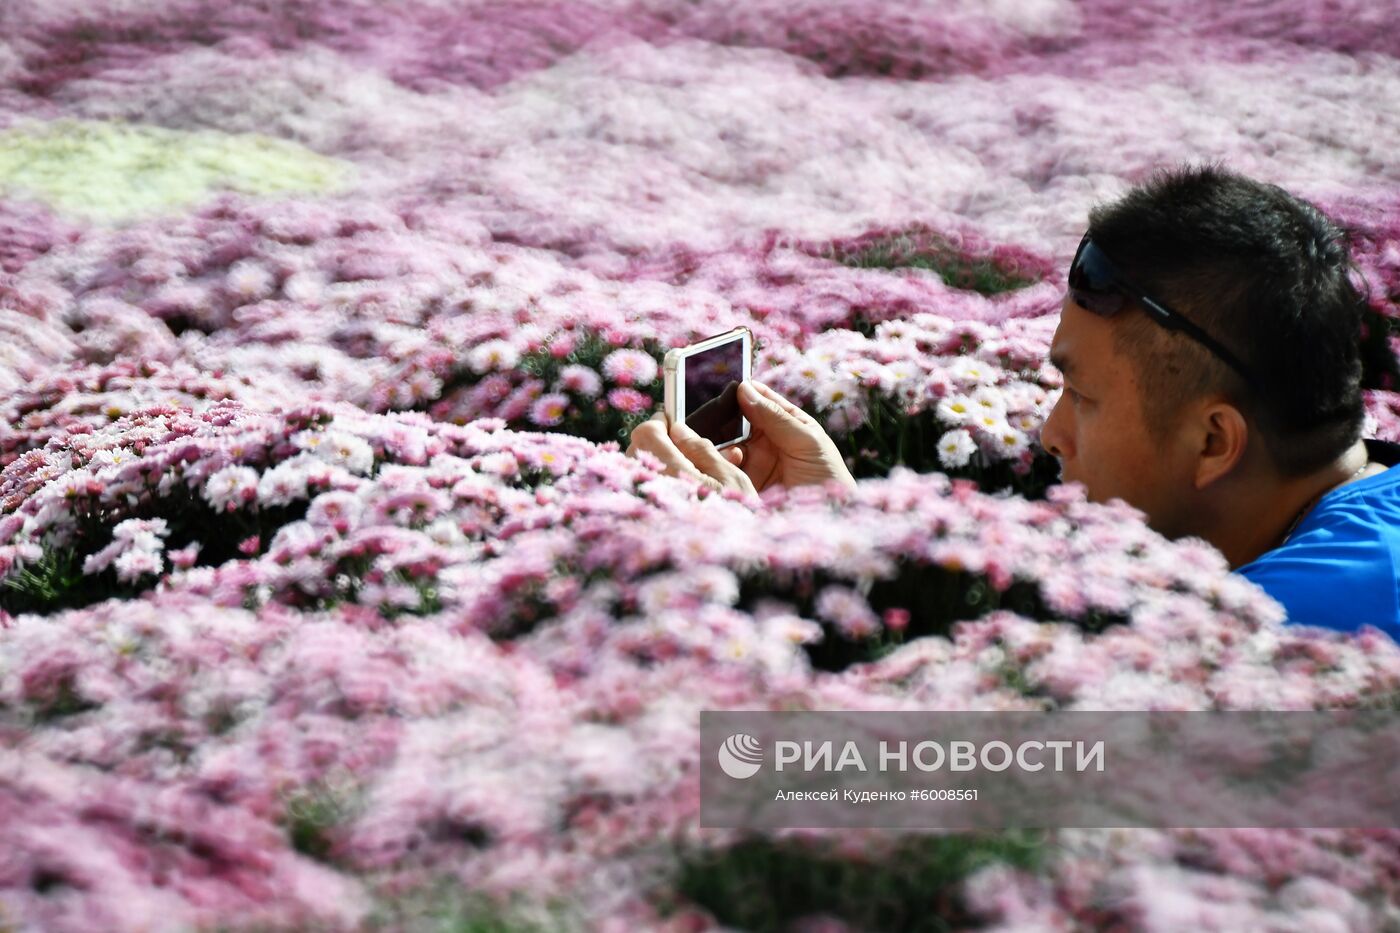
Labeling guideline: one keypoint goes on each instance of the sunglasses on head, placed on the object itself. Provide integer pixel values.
(1098, 287)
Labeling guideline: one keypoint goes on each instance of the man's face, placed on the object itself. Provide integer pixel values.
(1096, 429)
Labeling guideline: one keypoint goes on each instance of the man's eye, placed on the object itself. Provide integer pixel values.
(1074, 397)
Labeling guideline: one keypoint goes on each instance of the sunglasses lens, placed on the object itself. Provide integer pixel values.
(1091, 282)
(1104, 304)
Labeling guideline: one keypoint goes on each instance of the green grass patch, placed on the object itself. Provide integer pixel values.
(986, 275)
(764, 885)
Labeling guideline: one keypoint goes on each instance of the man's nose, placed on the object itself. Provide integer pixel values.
(1050, 437)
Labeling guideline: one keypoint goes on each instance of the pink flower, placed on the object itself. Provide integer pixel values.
(628, 367)
(135, 564)
(629, 400)
(581, 380)
(549, 409)
(896, 619)
(231, 488)
(848, 610)
(185, 556)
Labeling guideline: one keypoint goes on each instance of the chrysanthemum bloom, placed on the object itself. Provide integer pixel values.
(628, 367)
(549, 409)
(989, 400)
(841, 390)
(969, 371)
(868, 373)
(340, 448)
(232, 487)
(848, 611)
(896, 619)
(1008, 442)
(580, 379)
(339, 510)
(135, 564)
(493, 355)
(956, 409)
(185, 556)
(629, 400)
(955, 448)
(844, 419)
(249, 281)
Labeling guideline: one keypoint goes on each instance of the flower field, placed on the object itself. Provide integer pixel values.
(328, 597)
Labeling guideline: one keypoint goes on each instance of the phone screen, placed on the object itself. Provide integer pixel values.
(712, 391)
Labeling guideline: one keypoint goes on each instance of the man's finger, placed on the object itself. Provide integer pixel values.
(734, 455)
(674, 461)
(789, 427)
(785, 404)
(648, 434)
(710, 461)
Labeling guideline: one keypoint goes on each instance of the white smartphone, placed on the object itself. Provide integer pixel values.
(702, 386)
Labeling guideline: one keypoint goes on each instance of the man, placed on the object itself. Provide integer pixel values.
(1209, 344)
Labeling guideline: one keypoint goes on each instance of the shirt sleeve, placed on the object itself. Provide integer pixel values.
(1332, 582)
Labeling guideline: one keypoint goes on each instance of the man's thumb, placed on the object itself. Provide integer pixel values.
(768, 414)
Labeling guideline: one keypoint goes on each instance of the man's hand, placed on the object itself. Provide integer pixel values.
(786, 447)
(686, 453)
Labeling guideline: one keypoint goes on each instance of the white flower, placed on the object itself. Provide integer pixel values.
(116, 456)
(838, 391)
(989, 422)
(423, 385)
(339, 448)
(283, 483)
(808, 371)
(306, 286)
(716, 584)
(335, 506)
(868, 373)
(141, 532)
(989, 400)
(848, 610)
(970, 371)
(843, 419)
(902, 371)
(955, 448)
(893, 330)
(249, 281)
(492, 355)
(1027, 421)
(233, 485)
(500, 463)
(136, 563)
(629, 367)
(580, 379)
(446, 532)
(956, 409)
(1009, 442)
(791, 629)
(302, 537)
(906, 380)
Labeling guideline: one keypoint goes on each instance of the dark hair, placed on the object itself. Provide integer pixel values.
(1264, 273)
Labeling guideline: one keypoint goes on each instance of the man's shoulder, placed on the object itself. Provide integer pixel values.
(1343, 571)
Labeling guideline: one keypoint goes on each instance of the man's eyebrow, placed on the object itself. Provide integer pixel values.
(1062, 362)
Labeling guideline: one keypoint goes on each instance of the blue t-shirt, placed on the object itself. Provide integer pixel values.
(1341, 568)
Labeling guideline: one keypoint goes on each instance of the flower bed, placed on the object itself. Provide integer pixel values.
(330, 599)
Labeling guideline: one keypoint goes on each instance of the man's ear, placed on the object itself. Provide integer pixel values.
(1220, 440)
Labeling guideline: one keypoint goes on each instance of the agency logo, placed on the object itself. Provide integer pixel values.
(741, 756)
